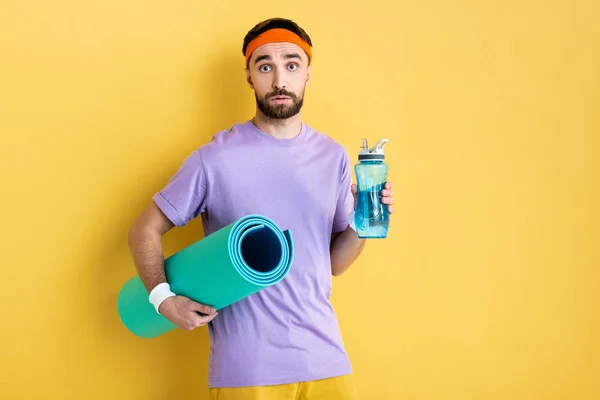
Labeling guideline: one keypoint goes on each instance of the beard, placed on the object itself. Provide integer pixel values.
(279, 111)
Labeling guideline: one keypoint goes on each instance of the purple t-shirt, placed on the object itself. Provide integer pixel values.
(287, 332)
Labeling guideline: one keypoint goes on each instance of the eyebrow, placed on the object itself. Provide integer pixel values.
(268, 57)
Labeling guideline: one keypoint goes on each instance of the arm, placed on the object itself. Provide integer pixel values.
(145, 244)
(346, 246)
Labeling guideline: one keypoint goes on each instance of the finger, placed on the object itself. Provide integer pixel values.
(353, 188)
(206, 319)
(195, 320)
(390, 209)
(204, 309)
(387, 200)
(388, 185)
(387, 193)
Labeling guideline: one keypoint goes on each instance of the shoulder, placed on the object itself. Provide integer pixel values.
(235, 134)
(221, 142)
(328, 144)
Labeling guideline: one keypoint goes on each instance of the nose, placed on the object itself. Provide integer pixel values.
(279, 80)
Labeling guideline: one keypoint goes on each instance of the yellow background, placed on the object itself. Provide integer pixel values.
(488, 285)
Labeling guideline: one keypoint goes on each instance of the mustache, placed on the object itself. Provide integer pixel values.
(281, 92)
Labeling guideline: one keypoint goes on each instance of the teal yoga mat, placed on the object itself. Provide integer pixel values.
(232, 263)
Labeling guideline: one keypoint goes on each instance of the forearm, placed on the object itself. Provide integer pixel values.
(147, 253)
(345, 249)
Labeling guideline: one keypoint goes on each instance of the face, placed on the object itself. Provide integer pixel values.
(279, 73)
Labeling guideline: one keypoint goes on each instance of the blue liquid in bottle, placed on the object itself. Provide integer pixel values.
(371, 218)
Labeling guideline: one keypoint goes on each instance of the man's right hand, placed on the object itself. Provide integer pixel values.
(184, 312)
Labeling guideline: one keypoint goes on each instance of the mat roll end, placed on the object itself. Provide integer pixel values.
(139, 316)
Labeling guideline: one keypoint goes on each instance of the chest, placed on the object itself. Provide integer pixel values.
(275, 185)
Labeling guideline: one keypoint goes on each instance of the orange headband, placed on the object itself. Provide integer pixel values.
(276, 35)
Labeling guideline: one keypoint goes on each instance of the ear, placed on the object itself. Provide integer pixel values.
(249, 78)
(308, 75)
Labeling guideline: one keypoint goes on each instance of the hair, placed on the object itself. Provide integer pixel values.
(274, 23)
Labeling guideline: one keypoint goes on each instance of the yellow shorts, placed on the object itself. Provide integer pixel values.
(339, 388)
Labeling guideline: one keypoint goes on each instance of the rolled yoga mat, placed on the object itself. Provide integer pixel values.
(226, 266)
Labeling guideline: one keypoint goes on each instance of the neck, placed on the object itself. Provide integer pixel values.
(278, 128)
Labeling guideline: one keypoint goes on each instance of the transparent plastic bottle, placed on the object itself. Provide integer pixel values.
(371, 218)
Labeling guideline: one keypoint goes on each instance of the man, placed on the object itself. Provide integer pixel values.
(284, 341)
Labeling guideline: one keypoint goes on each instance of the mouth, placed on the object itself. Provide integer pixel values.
(280, 99)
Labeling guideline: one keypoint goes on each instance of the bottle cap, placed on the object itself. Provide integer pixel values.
(374, 153)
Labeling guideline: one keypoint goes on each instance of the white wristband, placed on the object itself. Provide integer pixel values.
(351, 220)
(159, 294)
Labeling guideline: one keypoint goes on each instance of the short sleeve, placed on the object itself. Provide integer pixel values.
(184, 196)
(345, 200)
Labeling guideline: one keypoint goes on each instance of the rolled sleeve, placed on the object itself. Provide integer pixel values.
(184, 196)
(345, 201)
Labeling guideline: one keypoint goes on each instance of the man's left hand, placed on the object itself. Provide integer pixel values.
(387, 196)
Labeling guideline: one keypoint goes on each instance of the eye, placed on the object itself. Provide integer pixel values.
(293, 67)
(264, 68)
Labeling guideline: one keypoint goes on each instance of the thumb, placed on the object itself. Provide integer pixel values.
(354, 191)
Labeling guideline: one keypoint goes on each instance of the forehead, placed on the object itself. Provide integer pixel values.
(279, 50)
